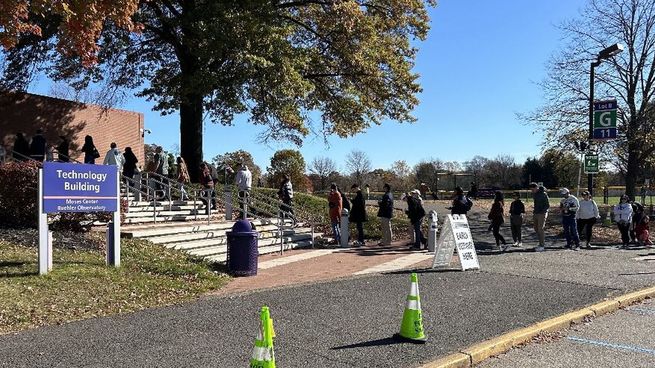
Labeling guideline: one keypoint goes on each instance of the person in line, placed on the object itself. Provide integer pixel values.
(244, 182)
(587, 216)
(21, 149)
(285, 193)
(114, 157)
(208, 185)
(129, 164)
(516, 214)
(183, 177)
(345, 203)
(368, 192)
(637, 215)
(385, 213)
(63, 148)
(38, 146)
(3, 154)
(473, 191)
(358, 214)
(643, 232)
(161, 168)
(335, 204)
(540, 213)
(416, 213)
(569, 206)
(497, 217)
(90, 151)
(623, 217)
(461, 204)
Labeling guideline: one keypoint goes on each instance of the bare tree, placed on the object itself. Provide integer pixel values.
(476, 167)
(358, 165)
(629, 77)
(323, 167)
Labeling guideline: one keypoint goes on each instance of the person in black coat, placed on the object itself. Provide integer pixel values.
(38, 146)
(385, 213)
(129, 167)
(21, 148)
(90, 151)
(358, 214)
(416, 213)
(63, 148)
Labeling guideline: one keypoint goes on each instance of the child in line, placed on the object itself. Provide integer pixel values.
(643, 233)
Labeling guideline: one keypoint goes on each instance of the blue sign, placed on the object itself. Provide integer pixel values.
(607, 133)
(79, 188)
(605, 105)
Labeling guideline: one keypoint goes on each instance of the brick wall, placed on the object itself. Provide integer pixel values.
(24, 112)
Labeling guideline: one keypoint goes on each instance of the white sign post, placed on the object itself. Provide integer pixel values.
(456, 233)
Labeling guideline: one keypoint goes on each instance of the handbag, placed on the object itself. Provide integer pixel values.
(96, 154)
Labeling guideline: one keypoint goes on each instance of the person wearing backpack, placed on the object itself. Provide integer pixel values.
(461, 204)
(385, 213)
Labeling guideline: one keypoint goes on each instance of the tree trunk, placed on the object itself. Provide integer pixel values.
(632, 172)
(191, 134)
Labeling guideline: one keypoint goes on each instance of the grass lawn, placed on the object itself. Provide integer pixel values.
(81, 286)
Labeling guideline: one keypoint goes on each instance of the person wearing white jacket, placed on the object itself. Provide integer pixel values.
(623, 217)
(114, 157)
(587, 215)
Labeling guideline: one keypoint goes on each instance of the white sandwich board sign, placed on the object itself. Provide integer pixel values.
(456, 233)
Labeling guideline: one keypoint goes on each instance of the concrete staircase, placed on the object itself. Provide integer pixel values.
(209, 241)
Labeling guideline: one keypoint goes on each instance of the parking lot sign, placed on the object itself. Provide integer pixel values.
(605, 120)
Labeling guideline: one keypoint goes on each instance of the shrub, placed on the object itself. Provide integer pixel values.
(18, 192)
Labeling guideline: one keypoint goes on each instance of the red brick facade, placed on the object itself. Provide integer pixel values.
(25, 112)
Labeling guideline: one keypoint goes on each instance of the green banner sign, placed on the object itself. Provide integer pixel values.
(591, 164)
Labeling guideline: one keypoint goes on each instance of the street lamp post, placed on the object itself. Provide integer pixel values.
(603, 55)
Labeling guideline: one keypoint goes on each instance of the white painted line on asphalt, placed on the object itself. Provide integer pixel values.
(642, 310)
(297, 258)
(398, 263)
(610, 345)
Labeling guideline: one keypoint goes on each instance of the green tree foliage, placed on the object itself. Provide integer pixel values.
(288, 162)
(275, 60)
(233, 160)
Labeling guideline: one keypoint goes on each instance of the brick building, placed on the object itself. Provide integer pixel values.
(26, 112)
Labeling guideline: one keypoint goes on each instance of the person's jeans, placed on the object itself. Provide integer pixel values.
(418, 234)
(585, 227)
(385, 224)
(336, 230)
(624, 228)
(360, 232)
(516, 222)
(570, 230)
(539, 227)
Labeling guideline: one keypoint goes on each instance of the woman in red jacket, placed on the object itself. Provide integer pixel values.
(334, 201)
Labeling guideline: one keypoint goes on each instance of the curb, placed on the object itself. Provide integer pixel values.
(479, 352)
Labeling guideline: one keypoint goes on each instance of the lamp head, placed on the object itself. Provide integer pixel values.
(613, 50)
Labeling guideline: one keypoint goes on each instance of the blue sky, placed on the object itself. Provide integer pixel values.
(478, 69)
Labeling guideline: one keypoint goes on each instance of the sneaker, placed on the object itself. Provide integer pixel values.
(516, 244)
(587, 245)
(539, 249)
(576, 248)
(504, 247)
(520, 244)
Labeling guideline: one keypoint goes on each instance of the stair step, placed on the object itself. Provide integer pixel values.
(216, 245)
(201, 235)
(222, 258)
(176, 218)
(143, 231)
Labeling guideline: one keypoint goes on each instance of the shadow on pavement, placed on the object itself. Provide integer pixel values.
(380, 342)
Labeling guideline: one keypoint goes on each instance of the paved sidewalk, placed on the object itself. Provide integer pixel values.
(622, 339)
